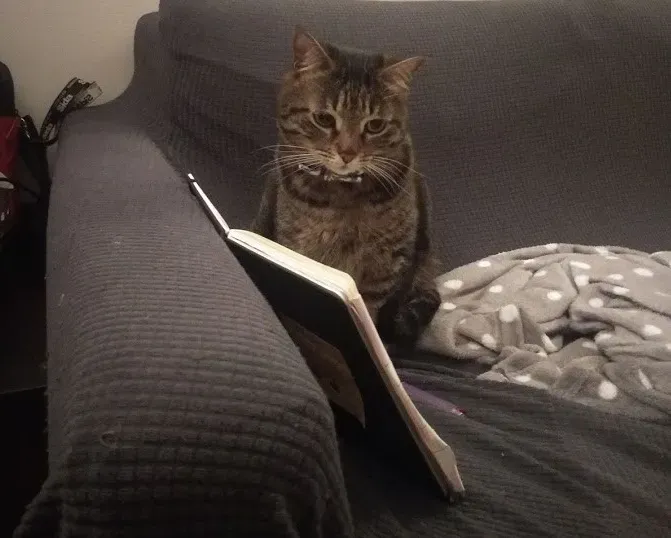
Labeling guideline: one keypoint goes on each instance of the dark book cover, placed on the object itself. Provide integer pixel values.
(326, 317)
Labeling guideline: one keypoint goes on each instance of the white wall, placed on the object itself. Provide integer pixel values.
(47, 42)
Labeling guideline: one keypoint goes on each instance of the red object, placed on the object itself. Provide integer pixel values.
(9, 195)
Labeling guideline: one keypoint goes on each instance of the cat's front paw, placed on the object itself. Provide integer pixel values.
(414, 315)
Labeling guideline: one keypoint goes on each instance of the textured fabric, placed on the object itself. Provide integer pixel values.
(523, 310)
(533, 465)
(558, 109)
(177, 404)
(534, 121)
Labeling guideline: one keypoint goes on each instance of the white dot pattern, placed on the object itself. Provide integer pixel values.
(644, 271)
(488, 340)
(580, 265)
(581, 280)
(598, 283)
(651, 330)
(607, 390)
(509, 313)
(645, 380)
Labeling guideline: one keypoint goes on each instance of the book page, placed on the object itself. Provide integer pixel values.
(338, 281)
(443, 456)
(380, 355)
(329, 368)
(326, 287)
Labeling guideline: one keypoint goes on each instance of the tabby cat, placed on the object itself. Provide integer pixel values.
(344, 191)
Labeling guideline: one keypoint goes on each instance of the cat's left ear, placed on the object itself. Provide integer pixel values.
(308, 52)
(398, 74)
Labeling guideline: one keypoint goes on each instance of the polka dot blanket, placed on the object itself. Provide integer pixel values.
(591, 324)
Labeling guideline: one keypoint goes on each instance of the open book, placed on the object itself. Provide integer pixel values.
(324, 314)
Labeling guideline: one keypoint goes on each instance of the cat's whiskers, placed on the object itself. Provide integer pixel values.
(293, 155)
(398, 168)
(392, 169)
(387, 174)
(294, 150)
(276, 169)
(281, 146)
(288, 163)
(388, 181)
(285, 161)
(401, 165)
(381, 180)
(393, 175)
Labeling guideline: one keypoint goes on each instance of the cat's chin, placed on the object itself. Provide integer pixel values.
(352, 178)
(329, 175)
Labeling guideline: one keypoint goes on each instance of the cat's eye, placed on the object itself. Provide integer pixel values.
(324, 120)
(375, 126)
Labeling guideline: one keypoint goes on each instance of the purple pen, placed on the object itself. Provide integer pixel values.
(431, 399)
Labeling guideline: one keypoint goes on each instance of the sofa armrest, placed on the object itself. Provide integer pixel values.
(178, 405)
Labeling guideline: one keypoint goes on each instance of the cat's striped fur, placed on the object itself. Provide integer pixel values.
(342, 117)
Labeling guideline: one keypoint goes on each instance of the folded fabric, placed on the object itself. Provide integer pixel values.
(591, 324)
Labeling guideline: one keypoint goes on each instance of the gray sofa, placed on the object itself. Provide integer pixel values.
(178, 406)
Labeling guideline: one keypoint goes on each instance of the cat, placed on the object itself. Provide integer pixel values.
(344, 191)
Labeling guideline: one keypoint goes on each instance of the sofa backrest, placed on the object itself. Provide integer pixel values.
(534, 120)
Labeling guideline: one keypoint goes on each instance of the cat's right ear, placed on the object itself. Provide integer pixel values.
(309, 55)
(398, 74)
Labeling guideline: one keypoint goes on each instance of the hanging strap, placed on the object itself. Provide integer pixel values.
(76, 94)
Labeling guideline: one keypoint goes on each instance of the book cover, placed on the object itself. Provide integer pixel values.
(323, 312)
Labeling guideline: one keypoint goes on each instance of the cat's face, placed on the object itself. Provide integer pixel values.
(345, 111)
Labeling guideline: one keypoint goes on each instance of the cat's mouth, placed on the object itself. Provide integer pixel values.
(329, 175)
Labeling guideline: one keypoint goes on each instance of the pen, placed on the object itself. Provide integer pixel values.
(431, 399)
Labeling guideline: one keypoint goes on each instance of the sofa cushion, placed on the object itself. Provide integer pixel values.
(534, 121)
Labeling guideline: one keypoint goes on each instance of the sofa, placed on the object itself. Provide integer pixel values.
(177, 403)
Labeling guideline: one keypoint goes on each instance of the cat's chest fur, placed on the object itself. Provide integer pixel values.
(363, 241)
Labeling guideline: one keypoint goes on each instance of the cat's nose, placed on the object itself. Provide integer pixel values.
(347, 156)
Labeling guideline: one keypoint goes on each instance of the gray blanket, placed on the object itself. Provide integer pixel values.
(591, 324)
